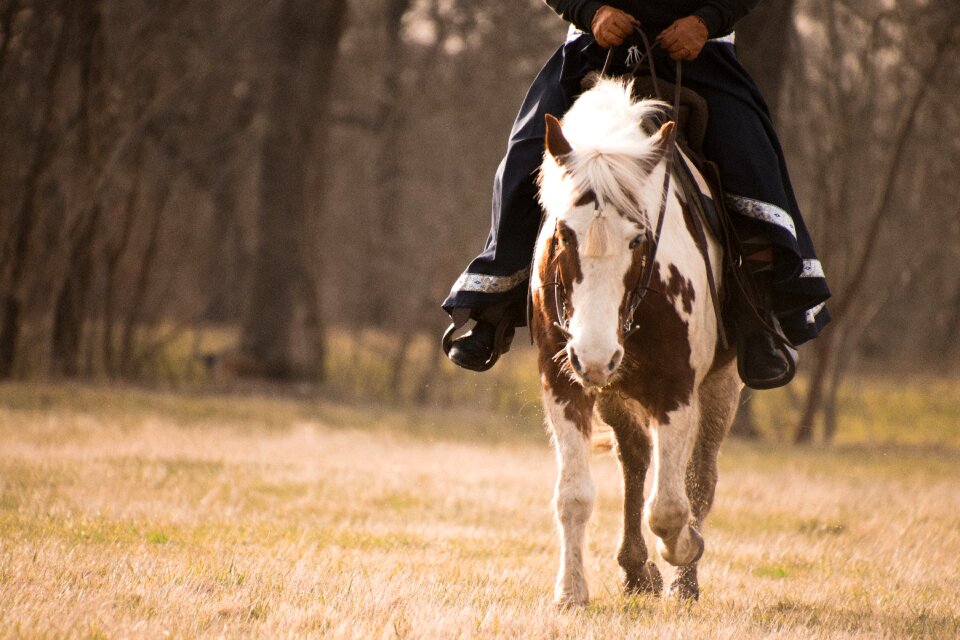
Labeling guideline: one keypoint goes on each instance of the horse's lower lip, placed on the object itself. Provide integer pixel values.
(593, 381)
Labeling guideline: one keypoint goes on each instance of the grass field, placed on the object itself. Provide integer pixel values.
(129, 514)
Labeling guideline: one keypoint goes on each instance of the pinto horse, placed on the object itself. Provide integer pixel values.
(626, 330)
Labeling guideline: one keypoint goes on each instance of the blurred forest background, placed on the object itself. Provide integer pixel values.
(193, 193)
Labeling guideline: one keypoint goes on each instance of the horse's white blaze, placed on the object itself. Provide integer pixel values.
(573, 499)
(595, 300)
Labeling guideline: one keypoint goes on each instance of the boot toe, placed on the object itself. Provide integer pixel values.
(470, 355)
(474, 350)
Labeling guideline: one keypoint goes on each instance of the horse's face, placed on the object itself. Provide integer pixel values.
(596, 286)
(597, 254)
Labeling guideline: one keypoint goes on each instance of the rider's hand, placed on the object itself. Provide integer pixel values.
(684, 39)
(611, 26)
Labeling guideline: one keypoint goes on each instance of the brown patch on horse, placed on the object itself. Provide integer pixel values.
(656, 370)
(680, 287)
(562, 260)
(587, 197)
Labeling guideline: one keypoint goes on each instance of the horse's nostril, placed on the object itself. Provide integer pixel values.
(615, 360)
(575, 362)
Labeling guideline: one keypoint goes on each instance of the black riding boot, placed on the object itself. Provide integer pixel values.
(481, 347)
(764, 360)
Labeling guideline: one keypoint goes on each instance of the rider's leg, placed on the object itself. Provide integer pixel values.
(494, 284)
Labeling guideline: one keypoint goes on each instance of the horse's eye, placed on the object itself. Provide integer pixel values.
(636, 242)
(564, 240)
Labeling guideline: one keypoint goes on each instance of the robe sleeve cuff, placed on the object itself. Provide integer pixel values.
(712, 18)
(584, 18)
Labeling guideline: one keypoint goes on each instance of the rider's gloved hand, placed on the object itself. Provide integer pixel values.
(611, 26)
(684, 39)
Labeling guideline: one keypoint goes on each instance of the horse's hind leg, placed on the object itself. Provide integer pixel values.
(719, 394)
(575, 491)
(633, 449)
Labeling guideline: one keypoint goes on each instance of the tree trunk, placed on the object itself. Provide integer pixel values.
(144, 274)
(114, 252)
(853, 287)
(70, 313)
(307, 35)
(818, 381)
(11, 304)
(6, 27)
(384, 246)
(764, 41)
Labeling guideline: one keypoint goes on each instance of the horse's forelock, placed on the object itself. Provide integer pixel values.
(612, 155)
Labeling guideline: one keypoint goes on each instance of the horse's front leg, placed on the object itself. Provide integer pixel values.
(640, 575)
(668, 508)
(569, 421)
(719, 394)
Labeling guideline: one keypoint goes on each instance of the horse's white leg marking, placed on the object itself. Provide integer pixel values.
(668, 508)
(573, 500)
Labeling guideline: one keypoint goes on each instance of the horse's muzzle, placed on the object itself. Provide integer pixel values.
(594, 372)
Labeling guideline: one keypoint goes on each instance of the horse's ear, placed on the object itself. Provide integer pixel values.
(663, 136)
(557, 144)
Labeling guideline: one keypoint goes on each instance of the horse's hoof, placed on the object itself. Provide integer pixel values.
(649, 582)
(572, 594)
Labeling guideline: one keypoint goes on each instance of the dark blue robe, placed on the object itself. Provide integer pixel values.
(740, 139)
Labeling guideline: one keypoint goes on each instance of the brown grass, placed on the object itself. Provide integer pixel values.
(128, 514)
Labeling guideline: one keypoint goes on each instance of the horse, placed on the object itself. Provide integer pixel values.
(626, 331)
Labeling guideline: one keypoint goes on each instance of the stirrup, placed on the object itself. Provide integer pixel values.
(501, 343)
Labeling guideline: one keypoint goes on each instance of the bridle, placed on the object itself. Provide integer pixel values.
(628, 323)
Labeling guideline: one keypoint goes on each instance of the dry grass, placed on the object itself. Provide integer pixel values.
(128, 514)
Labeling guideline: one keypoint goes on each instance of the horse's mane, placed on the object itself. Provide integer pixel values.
(612, 154)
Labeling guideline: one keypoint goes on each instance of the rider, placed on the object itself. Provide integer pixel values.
(740, 138)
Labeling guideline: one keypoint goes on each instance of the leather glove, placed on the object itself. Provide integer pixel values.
(684, 39)
(611, 26)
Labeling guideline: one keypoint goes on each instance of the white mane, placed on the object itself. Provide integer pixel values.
(612, 155)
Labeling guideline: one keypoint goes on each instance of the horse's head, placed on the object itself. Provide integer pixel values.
(601, 187)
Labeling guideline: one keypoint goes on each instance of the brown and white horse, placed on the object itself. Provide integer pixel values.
(652, 371)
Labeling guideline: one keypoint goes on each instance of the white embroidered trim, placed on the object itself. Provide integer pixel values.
(812, 313)
(489, 284)
(760, 210)
(812, 269)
